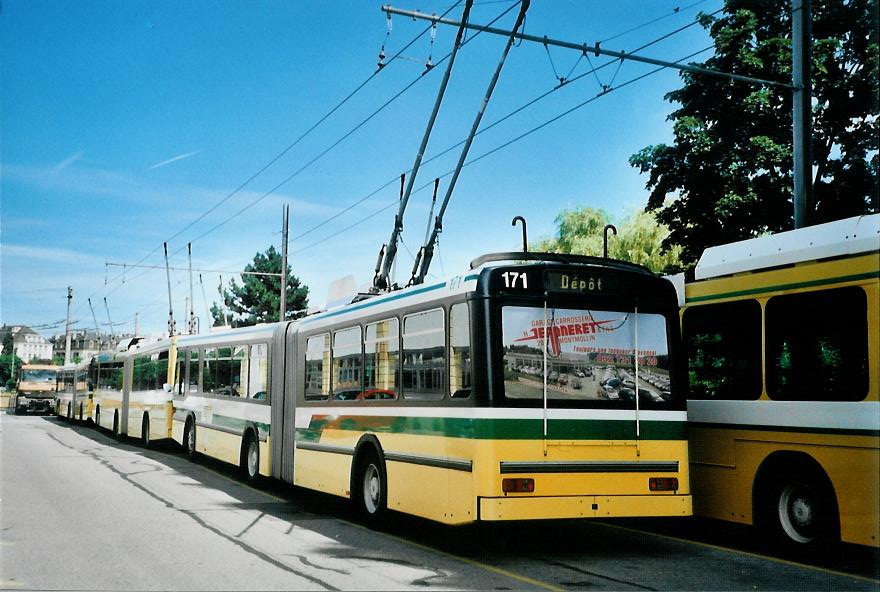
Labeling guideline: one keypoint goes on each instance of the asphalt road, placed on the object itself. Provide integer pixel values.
(81, 511)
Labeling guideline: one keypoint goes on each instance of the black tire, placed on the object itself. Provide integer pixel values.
(80, 412)
(250, 459)
(145, 431)
(370, 492)
(116, 433)
(69, 414)
(98, 417)
(189, 438)
(801, 512)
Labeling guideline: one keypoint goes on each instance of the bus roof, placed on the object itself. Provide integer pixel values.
(39, 367)
(851, 236)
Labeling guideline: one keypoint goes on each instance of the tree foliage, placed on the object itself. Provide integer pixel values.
(9, 366)
(730, 166)
(258, 298)
(639, 239)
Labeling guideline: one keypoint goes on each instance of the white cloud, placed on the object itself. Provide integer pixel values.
(60, 256)
(174, 159)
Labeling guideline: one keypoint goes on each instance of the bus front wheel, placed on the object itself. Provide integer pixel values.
(371, 489)
(802, 512)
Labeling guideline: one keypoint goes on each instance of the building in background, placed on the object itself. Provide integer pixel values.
(27, 343)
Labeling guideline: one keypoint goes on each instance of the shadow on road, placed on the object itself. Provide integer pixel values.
(333, 517)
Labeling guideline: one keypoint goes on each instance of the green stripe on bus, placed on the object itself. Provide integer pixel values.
(498, 429)
(236, 423)
(793, 286)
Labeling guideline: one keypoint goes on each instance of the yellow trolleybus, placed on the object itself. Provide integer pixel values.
(133, 391)
(533, 386)
(781, 336)
(73, 395)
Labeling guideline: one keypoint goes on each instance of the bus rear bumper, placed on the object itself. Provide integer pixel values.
(583, 506)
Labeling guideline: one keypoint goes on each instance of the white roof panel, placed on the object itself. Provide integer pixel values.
(860, 234)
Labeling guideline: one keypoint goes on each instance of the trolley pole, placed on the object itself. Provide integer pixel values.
(67, 327)
(802, 116)
(284, 216)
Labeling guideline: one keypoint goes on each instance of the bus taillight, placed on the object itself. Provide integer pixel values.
(518, 485)
(663, 484)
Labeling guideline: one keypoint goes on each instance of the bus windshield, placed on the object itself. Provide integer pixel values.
(585, 355)
(38, 376)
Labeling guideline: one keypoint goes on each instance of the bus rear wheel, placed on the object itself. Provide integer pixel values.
(116, 433)
(250, 459)
(189, 438)
(98, 418)
(370, 493)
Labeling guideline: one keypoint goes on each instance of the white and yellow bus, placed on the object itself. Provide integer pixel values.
(132, 397)
(221, 396)
(534, 386)
(73, 394)
(782, 337)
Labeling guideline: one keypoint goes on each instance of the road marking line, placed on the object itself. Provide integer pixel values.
(747, 553)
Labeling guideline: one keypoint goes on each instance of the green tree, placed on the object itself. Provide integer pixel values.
(639, 239)
(9, 365)
(8, 342)
(730, 166)
(258, 298)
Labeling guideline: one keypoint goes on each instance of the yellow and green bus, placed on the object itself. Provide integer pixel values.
(782, 338)
(533, 386)
(73, 394)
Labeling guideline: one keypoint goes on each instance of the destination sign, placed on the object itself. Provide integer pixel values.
(579, 283)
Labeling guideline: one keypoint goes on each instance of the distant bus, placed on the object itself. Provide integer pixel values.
(132, 396)
(534, 386)
(35, 388)
(782, 338)
(73, 394)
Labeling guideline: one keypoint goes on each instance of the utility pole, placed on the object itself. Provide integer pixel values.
(802, 111)
(67, 328)
(285, 219)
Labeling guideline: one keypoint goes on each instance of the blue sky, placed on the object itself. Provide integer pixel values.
(122, 123)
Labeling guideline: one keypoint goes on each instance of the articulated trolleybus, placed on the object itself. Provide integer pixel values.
(782, 336)
(534, 386)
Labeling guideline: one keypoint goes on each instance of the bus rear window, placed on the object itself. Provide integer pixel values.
(585, 355)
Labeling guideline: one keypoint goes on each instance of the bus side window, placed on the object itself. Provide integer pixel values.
(459, 351)
(317, 368)
(182, 372)
(193, 371)
(209, 370)
(347, 364)
(817, 346)
(258, 372)
(381, 360)
(424, 356)
(723, 347)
